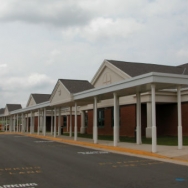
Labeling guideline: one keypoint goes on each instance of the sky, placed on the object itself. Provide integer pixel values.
(43, 41)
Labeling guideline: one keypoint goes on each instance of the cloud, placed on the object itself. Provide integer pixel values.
(183, 53)
(33, 82)
(58, 13)
(44, 40)
(109, 29)
(3, 65)
(54, 56)
(17, 89)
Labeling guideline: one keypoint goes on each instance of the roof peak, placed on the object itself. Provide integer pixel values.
(120, 61)
(72, 80)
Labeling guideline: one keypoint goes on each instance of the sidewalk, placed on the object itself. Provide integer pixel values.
(171, 153)
(166, 153)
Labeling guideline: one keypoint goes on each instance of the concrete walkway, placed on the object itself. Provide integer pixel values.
(165, 153)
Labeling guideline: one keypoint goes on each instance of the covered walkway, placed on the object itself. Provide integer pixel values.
(138, 85)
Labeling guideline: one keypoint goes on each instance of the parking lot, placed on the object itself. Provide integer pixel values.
(32, 162)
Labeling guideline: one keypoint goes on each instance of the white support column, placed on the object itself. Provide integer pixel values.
(70, 128)
(52, 122)
(42, 121)
(33, 126)
(17, 123)
(24, 123)
(82, 128)
(138, 119)
(93, 121)
(75, 123)
(116, 119)
(27, 123)
(149, 120)
(95, 128)
(3, 123)
(14, 124)
(38, 129)
(55, 122)
(59, 122)
(154, 129)
(118, 111)
(31, 123)
(44, 125)
(180, 137)
(67, 123)
(6, 124)
(10, 123)
(22, 127)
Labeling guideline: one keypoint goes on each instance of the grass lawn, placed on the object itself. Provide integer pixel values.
(163, 140)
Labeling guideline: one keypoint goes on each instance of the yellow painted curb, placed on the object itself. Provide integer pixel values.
(100, 146)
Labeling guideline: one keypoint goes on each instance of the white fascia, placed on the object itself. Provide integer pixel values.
(148, 78)
(31, 108)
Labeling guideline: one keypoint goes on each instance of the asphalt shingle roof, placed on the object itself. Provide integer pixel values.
(135, 69)
(12, 107)
(40, 98)
(75, 86)
(185, 67)
(2, 111)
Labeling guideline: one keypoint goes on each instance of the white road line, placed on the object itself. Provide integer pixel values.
(93, 152)
(39, 141)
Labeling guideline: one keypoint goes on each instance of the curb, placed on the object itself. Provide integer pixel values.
(104, 147)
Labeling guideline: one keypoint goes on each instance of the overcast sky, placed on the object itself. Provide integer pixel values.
(44, 40)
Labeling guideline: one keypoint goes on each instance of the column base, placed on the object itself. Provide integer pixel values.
(148, 132)
(82, 130)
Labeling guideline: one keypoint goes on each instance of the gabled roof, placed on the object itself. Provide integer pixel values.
(75, 86)
(185, 67)
(12, 107)
(40, 98)
(2, 110)
(135, 69)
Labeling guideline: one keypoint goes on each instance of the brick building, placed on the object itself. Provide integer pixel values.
(122, 97)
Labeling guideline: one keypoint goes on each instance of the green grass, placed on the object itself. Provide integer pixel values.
(162, 140)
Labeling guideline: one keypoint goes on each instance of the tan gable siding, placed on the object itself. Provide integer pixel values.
(6, 111)
(60, 94)
(31, 101)
(107, 76)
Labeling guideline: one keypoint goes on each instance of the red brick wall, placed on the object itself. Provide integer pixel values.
(78, 123)
(108, 128)
(184, 108)
(127, 121)
(167, 119)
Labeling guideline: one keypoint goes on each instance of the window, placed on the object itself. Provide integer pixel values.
(64, 121)
(86, 118)
(101, 118)
(112, 115)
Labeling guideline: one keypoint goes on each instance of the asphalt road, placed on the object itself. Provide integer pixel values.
(33, 163)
